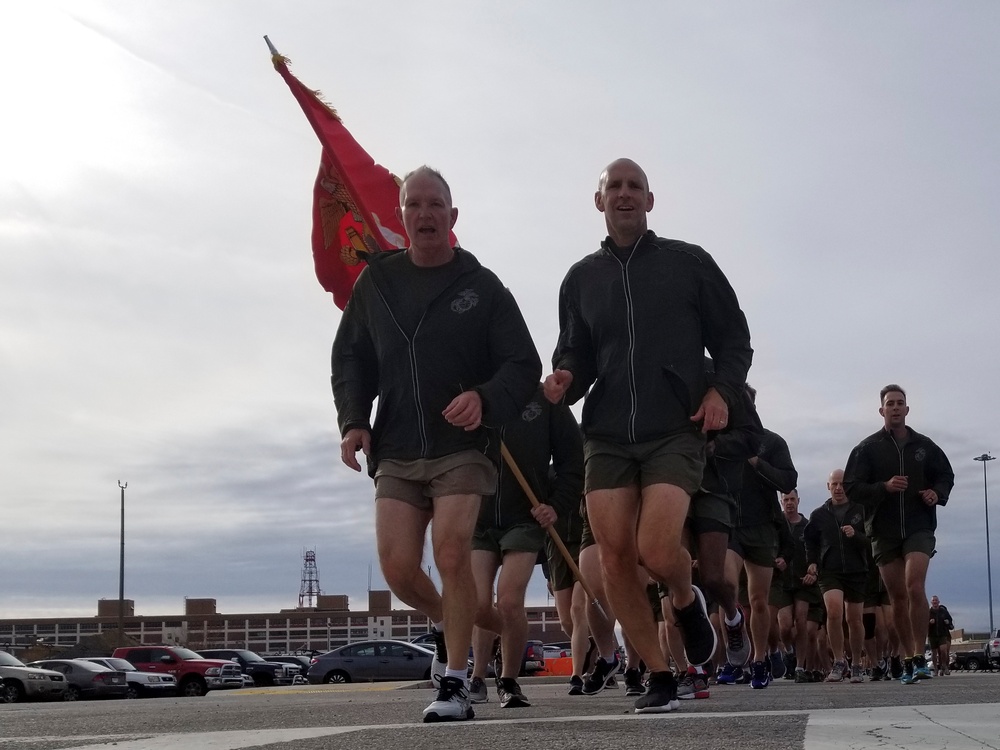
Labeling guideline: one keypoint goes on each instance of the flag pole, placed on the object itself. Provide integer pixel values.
(509, 459)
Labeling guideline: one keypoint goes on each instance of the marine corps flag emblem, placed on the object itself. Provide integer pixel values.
(354, 199)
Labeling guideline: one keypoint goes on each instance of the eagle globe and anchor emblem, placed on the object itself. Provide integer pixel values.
(465, 301)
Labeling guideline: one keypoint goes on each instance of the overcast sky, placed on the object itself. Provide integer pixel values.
(160, 321)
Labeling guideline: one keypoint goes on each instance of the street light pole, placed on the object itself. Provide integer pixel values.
(121, 573)
(986, 457)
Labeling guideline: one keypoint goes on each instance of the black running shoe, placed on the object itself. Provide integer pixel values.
(700, 639)
(738, 641)
(598, 679)
(633, 683)
(661, 695)
(895, 668)
(575, 685)
(510, 694)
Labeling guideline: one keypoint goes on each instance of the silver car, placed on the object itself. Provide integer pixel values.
(86, 679)
(367, 661)
(21, 682)
(140, 684)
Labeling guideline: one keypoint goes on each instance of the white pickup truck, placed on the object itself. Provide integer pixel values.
(992, 646)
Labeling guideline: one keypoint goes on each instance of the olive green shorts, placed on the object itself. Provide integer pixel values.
(522, 537)
(678, 460)
(875, 592)
(758, 544)
(937, 641)
(887, 550)
(809, 594)
(560, 574)
(817, 612)
(419, 481)
(711, 511)
(780, 595)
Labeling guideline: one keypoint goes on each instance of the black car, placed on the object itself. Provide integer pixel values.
(294, 659)
(263, 672)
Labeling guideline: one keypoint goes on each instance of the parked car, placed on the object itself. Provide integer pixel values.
(86, 679)
(973, 660)
(195, 674)
(992, 647)
(532, 662)
(21, 682)
(264, 673)
(140, 684)
(372, 660)
(304, 662)
(559, 650)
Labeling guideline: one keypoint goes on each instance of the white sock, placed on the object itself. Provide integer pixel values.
(438, 626)
(731, 623)
(458, 674)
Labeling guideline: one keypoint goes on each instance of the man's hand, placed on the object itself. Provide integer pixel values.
(556, 385)
(713, 411)
(465, 410)
(810, 577)
(897, 484)
(354, 440)
(848, 530)
(929, 497)
(545, 515)
(780, 564)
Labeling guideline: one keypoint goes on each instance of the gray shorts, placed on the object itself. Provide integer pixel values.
(678, 460)
(419, 481)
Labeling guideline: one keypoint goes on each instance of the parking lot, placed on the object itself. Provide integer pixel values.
(965, 706)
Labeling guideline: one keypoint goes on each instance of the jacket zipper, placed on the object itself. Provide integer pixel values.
(630, 325)
(902, 499)
(412, 355)
(840, 540)
(500, 472)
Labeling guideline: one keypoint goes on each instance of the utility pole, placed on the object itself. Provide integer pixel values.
(985, 458)
(121, 573)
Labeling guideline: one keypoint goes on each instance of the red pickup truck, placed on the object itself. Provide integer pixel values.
(195, 675)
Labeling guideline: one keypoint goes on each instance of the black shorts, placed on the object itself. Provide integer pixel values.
(852, 584)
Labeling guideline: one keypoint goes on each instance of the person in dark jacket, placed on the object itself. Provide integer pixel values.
(754, 544)
(441, 343)
(901, 477)
(635, 320)
(511, 532)
(801, 592)
(939, 630)
(711, 515)
(836, 548)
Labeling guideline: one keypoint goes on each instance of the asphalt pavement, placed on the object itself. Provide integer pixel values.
(957, 712)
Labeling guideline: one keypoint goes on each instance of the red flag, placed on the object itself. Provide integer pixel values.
(354, 199)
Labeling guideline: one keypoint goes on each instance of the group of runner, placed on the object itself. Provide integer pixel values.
(670, 457)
